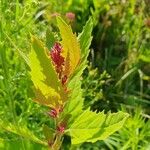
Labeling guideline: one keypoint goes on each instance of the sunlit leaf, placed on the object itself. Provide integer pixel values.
(48, 89)
(91, 126)
(71, 48)
(75, 103)
(145, 58)
(85, 38)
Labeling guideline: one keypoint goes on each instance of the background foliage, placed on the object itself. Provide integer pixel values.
(118, 76)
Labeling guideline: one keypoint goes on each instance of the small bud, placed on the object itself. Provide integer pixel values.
(61, 128)
(70, 16)
(60, 109)
(64, 80)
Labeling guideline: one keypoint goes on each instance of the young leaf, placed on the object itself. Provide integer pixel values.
(71, 48)
(75, 102)
(48, 89)
(91, 126)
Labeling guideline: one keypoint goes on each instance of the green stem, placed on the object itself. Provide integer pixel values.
(58, 142)
(17, 10)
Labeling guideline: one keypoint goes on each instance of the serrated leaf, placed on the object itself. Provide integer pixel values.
(75, 102)
(91, 126)
(85, 38)
(48, 89)
(22, 131)
(71, 47)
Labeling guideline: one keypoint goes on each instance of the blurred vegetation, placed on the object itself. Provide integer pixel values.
(118, 75)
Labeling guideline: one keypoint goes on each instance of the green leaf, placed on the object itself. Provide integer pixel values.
(71, 47)
(145, 55)
(85, 38)
(48, 89)
(91, 126)
(75, 103)
(50, 39)
(22, 131)
(145, 58)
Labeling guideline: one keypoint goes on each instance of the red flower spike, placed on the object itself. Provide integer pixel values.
(57, 59)
(57, 47)
(59, 62)
(53, 113)
(56, 56)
